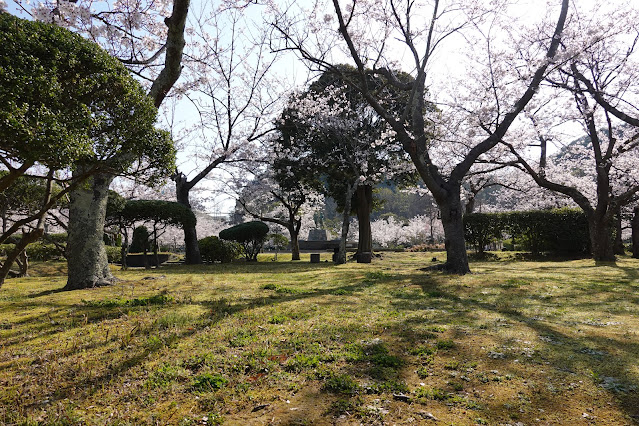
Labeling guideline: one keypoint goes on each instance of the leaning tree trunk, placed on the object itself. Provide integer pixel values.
(364, 207)
(191, 247)
(86, 256)
(454, 241)
(601, 238)
(635, 233)
(20, 249)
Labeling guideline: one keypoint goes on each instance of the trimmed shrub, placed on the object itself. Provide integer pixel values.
(250, 235)
(483, 229)
(43, 252)
(114, 254)
(560, 231)
(140, 241)
(212, 249)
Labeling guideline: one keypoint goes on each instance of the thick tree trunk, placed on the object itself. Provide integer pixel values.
(635, 233)
(601, 238)
(191, 247)
(454, 241)
(86, 256)
(364, 207)
(295, 243)
(618, 248)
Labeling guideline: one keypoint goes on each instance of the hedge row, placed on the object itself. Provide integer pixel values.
(562, 231)
(47, 252)
(212, 249)
(36, 251)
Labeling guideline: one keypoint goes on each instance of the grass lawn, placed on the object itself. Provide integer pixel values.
(299, 343)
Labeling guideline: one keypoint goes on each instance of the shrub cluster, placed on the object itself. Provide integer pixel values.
(212, 249)
(36, 251)
(250, 235)
(561, 231)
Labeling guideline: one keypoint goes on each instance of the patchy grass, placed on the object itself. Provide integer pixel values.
(299, 343)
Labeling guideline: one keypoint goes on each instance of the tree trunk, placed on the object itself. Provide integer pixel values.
(86, 256)
(295, 243)
(364, 207)
(635, 233)
(17, 251)
(191, 247)
(454, 241)
(156, 256)
(601, 238)
(124, 249)
(341, 254)
(618, 247)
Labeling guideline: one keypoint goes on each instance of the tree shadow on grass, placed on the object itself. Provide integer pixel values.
(103, 343)
(607, 361)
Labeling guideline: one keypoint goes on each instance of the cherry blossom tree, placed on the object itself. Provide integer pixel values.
(234, 93)
(371, 33)
(597, 88)
(337, 144)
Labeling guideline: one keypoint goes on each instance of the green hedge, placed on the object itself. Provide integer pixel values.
(561, 231)
(114, 254)
(212, 249)
(36, 251)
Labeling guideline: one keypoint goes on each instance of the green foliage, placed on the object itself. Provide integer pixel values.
(445, 344)
(158, 211)
(342, 384)
(208, 382)
(140, 240)
(305, 142)
(64, 101)
(483, 229)
(279, 241)
(24, 196)
(251, 235)
(115, 205)
(44, 252)
(36, 251)
(114, 254)
(212, 249)
(158, 299)
(559, 231)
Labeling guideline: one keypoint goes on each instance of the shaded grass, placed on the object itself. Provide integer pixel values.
(530, 342)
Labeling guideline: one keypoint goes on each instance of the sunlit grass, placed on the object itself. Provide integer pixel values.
(531, 342)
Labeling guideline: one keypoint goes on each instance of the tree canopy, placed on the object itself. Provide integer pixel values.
(65, 101)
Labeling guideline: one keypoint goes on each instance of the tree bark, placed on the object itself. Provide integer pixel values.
(17, 251)
(635, 233)
(191, 247)
(618, 248)
(124, 249)
(295, 245)
(601, 238)
(364, 207)
(87, 259)
(454, 241)
(174, 48)
(341, 253)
